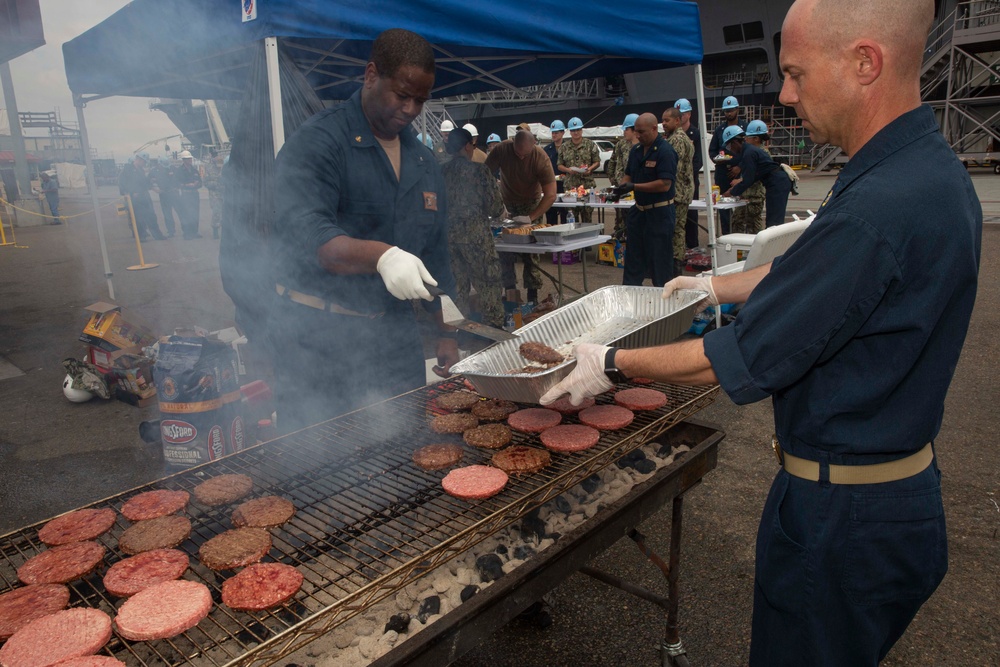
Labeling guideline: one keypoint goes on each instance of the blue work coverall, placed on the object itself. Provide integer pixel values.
(333, 179)
(650, 223)
(756, 165)
(715, 146)
(855, 334)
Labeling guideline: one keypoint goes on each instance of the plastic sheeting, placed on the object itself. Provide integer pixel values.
(70, 175)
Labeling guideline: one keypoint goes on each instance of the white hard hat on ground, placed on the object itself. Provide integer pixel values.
(75, 395)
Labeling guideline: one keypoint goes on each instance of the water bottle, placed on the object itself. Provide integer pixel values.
(570, 218)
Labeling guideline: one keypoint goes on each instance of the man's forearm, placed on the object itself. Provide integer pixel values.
(736, 287)
(544, 205)
(660, 185)
(678, 363)
(344, 255)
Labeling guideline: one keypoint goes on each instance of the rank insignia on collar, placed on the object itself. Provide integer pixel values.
(358, 138)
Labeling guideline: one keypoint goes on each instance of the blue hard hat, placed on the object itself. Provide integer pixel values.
(495, 138)
(731, 133)
(426, 141)
(557, 126)
(756, 128)
(730, 103)
(683, 105)
(630, 121)
(225, 160)
(575, 123)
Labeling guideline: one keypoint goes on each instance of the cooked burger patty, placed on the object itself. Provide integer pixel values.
(534, 420)
(607, 417)
(77, 526)
(570, 437)
(23, 605)
(474, 482)
(457, 401)
(263, 512)
(494, 410)
(566, 407)
(164, 610)
(153, 504)
(488, 436)
(163, 532)
(128, 577)
(261, 586)
(540, 353)
(457, 422)
(520, 460)
(235, 548)
(70, 633)
(61, 564)
(437, 456)
(640, 398)
(223, 489)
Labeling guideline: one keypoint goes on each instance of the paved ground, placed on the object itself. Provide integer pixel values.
(55, 455)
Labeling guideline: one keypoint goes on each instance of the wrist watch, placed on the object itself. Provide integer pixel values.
(610, 369)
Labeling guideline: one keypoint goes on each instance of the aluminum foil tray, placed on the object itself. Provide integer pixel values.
(565, 233)
(621, 315)
(516, 238)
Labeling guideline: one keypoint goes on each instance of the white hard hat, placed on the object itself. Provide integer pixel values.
(75, 395)
(447, 126)
(186, 155)
(471, 129)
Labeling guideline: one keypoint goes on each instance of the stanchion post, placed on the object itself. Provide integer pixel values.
(138, 244)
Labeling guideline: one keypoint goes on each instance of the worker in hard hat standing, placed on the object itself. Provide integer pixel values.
(491, 142)
(557, 129)
(615, 168)
(578, 158)
(440, 150)
(135, 183)
(731, 108)
(478, 155)
(684, 183)
(694, 134)
(753, 166)
(749, 219)
(189, 180)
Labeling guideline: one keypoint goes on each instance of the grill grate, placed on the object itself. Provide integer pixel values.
(368, 522)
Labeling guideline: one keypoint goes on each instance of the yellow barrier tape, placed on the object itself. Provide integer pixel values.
(61, 217)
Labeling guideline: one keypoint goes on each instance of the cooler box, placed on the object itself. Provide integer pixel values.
(733, 247)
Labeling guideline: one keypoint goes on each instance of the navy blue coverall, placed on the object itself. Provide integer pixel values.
(333, 179)
(756, 165)
(555, 216)
(855, 334)
(715, 146)
(650, 232)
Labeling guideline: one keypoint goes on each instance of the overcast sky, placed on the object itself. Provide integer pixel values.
(117, 125)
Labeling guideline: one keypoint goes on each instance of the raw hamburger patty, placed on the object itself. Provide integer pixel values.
(435, 457)
(540, 353)
(564, 405)
(474, 482)
(70, 633)
(457, 401)
(454, 423)
(222, 489)
(77, 526)
(61, 564)
(235, 548)
(261, 586)
(164, 610)
(163, 532)
(494, 410)
(154, 504)
(570, 437)
(23, 605)
(91, 661)
(128, 577)
(520, 460)
(488, 436)
(534, 420)
(640, 398)
(263, 512)
(607, 417)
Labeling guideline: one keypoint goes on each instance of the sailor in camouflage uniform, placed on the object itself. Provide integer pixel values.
(473, 197)
(749, 219)
(579, 152)
(615, 168)
(213, 181)
(684, 185)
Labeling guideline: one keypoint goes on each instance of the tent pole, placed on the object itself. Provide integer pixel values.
(92, 186)
(706, 161)
(274, 92)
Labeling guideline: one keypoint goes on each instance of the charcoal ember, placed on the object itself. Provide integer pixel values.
(563, 505)
(591, 483)
(524, 552)
(468, 592)
(429, 607)
(644, 467)
(490, 567)
(398, 623)
(665, 451)
(555, 536)
(630, 459)
(532, 528)
(502, 549)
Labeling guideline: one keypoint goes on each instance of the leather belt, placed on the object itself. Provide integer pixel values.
(320, 304)
(875, 473)
(656, 205)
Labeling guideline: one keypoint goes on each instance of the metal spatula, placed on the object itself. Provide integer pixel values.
(454, 317)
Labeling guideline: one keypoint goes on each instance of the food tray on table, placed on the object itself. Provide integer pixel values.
(558, 234)
(620, 315)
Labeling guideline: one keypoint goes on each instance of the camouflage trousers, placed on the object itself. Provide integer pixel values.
(215, 202)
(531, 276)
(680, 231)
(749, 219)
(476, 267)
(619, 234)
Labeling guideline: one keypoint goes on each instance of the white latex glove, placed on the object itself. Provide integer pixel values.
(404, 274)
(586, 380)
(693, 282)
(522, 219)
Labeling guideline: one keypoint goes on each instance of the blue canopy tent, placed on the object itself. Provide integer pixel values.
(201, 50)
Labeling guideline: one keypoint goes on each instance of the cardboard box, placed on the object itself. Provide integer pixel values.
(606, 253)
(110, 329)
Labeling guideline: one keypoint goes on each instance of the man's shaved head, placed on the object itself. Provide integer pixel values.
(647, 128)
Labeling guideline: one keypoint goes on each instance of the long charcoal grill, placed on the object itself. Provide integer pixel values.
(368, 522)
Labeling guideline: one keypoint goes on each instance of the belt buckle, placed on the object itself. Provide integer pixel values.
(777, 451)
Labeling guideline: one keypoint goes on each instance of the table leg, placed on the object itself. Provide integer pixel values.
(559, 272)
(583, 267)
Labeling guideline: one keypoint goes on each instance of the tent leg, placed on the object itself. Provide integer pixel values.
(274, 92)
(92, 186)
(706, 161)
